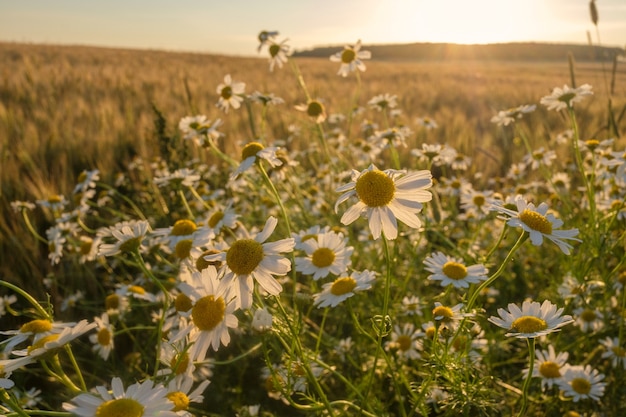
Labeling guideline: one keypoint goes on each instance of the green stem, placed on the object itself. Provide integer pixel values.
(222, 155)
(81, 380)
(496, 274)
(579, 162)
(181, 194)
(29, 298)
(30, 227)
(279, 201)
(531, 352)
(321, 333)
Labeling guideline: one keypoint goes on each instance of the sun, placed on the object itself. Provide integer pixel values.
(458, 21)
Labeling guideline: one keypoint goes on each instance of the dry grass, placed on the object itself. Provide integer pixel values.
(65, 109)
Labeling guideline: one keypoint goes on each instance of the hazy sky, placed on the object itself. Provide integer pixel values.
(231, 26)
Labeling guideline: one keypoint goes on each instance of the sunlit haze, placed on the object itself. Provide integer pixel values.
(230, 27)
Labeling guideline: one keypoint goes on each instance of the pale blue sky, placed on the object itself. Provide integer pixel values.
(231, 26)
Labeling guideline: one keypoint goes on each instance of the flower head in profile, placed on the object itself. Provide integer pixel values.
(254, 152)
(564, 98)
(506, 117)
(532, 320)
(538, 223)
(199, 129)
(230, 94)
(181, 396)
(103, 338)
(138, 400)
(383, 102)
(343, 288)
(452, 271)
(385, 197)
(582, 382)
(615, 352)
(128, 235)
(252, 259)
(351, 59)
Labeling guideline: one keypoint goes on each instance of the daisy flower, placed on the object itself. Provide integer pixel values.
(506, 117)
(184, 176)
(538, 223)
(581, 382)
(138, 400)
(279, 53)
(589, 319)
(183, 236)
(351, 59)
(311, 233)
(211, 313)
(250, 259)
(54, 341)
(614, 352)
(406, 341)
(343, 288)
(385, 197)
(326, 254)
(37, 328)
(411, 305)
(86, 181)
(7, 366)
(549, 366)
(103, 339)
(564, 98)
(231, 94)
(452, 271)
(199, 129)
(427, 123)
(129, 236)
(179, 393)
(5, 302)
(314, 109)
(221, 218)
(383, 102)
(254, 152)
(262, 320)
(532, 320)
(448, 316)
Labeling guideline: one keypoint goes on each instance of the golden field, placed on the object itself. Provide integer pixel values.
(67, 109)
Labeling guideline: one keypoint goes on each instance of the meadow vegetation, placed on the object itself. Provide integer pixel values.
(119, 202)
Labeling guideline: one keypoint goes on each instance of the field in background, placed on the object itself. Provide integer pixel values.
(66, 109)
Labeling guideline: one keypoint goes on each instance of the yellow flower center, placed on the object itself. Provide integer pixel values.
(208, 312)
(404, 342)
(454, 270)
(55, 199)
(536, 221)
(549, 369)
(122, 407)
(112, 302)
(431, 332)
(588, 315)
(182, 302)
(202, 263)
(244, 256)
(81, 177)
(180, 400)
(85, 246)
(323, 257)
(227, 92)
(581, 385)
(618, 351)
(183, 248)
(215, 218)
(343, 286)
(36, 326)
(479, 200)
(131, 244)
(315, 109)
(348, 55)
(443, 311)
(179, 364)
(274, 50)
(375, 188)
(42, 342)
(528, 324)
(136, 289)
(251, 149)
(104, 337)
(592, 144)
(183, 228)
